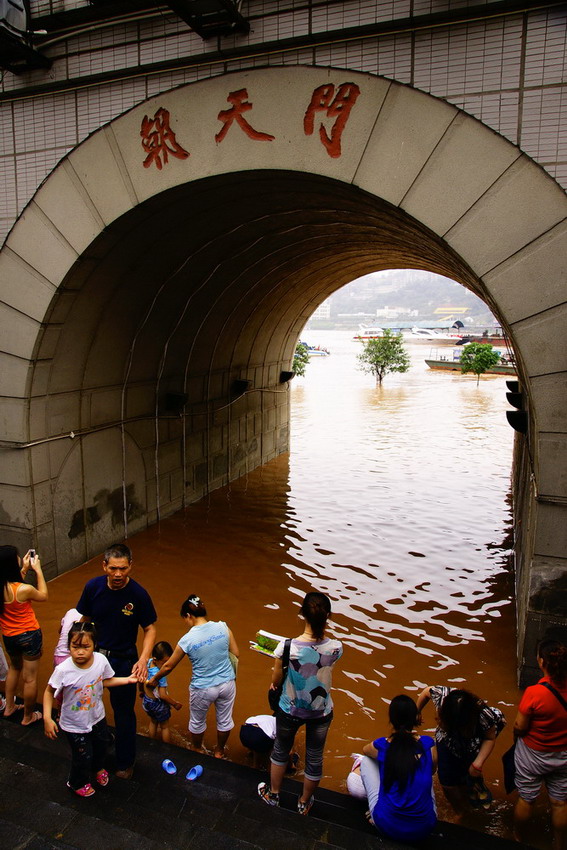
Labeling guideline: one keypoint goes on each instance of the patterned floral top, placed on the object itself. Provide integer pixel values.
(458, 744)
(306, 690)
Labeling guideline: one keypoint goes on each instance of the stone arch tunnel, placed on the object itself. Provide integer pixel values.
(150, 309)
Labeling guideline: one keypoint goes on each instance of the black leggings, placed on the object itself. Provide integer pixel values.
(88, 750)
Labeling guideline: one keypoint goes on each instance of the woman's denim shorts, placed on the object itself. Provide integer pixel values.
(28, 645)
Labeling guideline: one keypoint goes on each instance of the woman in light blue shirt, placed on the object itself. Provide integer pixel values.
(207, 644)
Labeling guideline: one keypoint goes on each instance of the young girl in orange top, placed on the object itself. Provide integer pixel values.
(20, 628)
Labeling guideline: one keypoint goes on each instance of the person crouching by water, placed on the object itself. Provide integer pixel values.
(466, 731)
(78, 682)
(258, 734)
(306, 699)
(540, 730)
(156, 702)
(397, 774)
(207, 644)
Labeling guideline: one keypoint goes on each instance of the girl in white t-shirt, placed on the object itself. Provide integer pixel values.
(78, 682)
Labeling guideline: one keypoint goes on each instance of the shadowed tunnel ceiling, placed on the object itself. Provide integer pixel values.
(215, 276)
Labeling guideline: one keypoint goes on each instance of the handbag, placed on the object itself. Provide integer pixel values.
(275, 694)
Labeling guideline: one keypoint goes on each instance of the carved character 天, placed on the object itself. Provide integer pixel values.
(240, 105)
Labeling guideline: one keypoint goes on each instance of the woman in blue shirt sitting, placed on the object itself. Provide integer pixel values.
(398, 775)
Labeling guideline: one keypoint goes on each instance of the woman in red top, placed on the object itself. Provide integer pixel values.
(20, 628)
(541, 742)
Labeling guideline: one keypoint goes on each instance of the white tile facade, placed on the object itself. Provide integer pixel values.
(510, 72)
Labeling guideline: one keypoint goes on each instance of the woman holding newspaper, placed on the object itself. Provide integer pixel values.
(305, 699)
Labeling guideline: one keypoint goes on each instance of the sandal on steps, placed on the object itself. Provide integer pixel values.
(35, 718)
(102, 778)
(265, 793)
(86, 791)
(305, 808)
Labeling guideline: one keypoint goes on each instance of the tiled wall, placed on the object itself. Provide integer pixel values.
(508, 72)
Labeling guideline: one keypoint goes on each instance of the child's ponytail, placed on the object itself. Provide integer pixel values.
(404, 751)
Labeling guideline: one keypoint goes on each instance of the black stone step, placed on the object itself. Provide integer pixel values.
(155, 810)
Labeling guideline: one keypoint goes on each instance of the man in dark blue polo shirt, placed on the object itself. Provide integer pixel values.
(118, 606)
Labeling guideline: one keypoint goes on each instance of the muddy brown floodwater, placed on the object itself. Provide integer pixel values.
(395, 502)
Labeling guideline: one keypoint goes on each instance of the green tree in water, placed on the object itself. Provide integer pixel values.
(300, 359)
(477, 357)
(384, 355)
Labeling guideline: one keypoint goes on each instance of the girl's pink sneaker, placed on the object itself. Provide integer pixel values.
(86, 791)
(102, 778)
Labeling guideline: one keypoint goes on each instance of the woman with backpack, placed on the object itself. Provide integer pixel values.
(305, 700)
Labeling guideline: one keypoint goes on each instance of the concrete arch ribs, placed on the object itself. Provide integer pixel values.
(181, 248)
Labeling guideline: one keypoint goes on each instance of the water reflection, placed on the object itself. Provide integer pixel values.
(410, 474)
(394, 502)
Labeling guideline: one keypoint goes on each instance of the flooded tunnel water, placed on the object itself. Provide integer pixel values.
(395, 502)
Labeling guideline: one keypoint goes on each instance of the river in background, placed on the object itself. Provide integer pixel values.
(394, 500)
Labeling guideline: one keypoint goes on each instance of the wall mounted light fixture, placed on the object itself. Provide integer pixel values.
(240, 386)
(175, 402)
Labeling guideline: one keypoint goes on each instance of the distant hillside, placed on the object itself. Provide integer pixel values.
(405, 288)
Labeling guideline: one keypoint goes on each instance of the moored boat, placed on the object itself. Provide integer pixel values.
(442, 362)
(496, 337)
(316, 350)
(434, 335)
(366, 332)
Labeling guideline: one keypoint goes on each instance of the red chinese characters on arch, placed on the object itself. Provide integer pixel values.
(330, 102)
(240, 105)
(158, 140)
(337, 105)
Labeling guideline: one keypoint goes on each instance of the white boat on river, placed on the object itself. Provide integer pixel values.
(368, 332)
(433, 335)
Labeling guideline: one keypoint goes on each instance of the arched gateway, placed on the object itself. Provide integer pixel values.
(155, 286)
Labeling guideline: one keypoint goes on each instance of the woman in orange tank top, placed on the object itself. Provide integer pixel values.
(20, 628)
